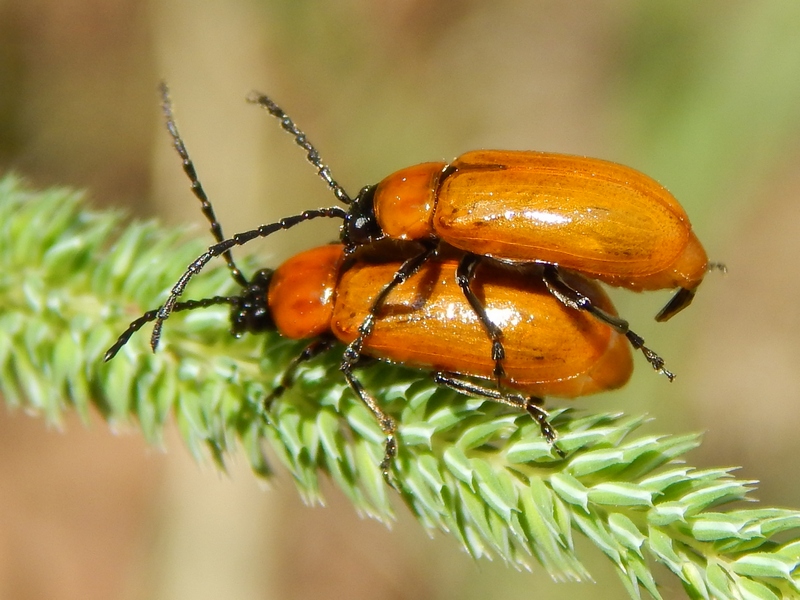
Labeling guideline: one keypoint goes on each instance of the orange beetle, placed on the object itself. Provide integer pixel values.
(551, 350)
(591, 216)
(600, 218)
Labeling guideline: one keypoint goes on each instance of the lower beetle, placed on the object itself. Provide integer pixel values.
(551, 349)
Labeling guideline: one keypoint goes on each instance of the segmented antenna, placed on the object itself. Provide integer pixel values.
(152, 315)
(333, 212)
(300, 139)
(197, 187)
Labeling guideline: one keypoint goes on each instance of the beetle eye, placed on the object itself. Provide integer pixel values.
(361, 226)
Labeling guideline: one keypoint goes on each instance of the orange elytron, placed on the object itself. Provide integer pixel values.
(551, 350)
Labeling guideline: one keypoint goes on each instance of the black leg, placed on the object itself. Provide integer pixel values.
(151, 315)
(574, 299)
(300, 139)
(239, 239)
(314, 349)
(407, 269)
(387, 423)
(531, 404)
(352, 356)
(464, 276)
(676, 304)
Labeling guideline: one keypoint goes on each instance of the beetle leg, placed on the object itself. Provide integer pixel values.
(314, 349)
(574, 299)
(464, 276)
(531, 404)
(684, 297)
(152, 315)
(406, 270)
(676, 304)
(387, 423)
(352, 355)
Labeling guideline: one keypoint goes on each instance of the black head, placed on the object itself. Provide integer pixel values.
(360, 225)
(251, 313)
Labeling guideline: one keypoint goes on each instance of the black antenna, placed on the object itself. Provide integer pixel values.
(333, 212)
(300, 139)
(197, 187)
(152, 315)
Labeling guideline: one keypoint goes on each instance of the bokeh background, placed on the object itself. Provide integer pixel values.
(705, 97)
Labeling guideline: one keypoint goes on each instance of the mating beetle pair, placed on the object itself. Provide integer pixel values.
(542, 212)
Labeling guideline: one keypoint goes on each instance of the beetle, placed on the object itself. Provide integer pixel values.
(587, 215)
(323, 296)
(600, 218)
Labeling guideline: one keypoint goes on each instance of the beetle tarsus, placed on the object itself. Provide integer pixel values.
(389, 454)
(530, 404)
(574, 299)
(498, 354)
(654, 359)
(541, 417)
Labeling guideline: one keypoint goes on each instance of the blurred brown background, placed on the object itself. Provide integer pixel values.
(705, 97)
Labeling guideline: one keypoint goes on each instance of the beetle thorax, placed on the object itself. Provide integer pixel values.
(405, 201)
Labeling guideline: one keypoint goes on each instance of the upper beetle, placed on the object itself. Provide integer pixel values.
(593, 216)
(600, 218)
